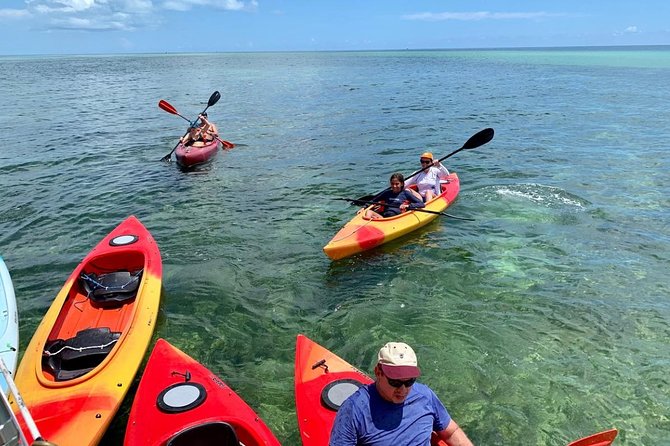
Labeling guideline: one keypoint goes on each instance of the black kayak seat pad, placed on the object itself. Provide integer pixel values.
(71, 358)
(111, 289)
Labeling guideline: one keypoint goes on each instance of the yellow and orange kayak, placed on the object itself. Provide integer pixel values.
(84, 354)
(361, 234)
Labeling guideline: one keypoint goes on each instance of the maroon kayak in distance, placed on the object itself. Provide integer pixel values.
(190, 156)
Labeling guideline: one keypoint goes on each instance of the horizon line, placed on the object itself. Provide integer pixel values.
(526, 48)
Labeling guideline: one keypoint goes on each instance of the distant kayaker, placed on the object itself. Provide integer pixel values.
(396, 199)
(395, 410)
(428, 180)
(202, 133)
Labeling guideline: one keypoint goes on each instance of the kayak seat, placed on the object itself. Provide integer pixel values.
(111, 289)
(70, 358)
(217, 433)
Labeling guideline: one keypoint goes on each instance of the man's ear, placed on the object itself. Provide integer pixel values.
(378, 371)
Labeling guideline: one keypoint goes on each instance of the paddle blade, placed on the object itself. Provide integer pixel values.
(213, 99)
(165, 105)
(600, 439)
(479, 139)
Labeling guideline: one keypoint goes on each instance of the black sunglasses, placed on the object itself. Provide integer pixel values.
(426, 161)
(397, 383)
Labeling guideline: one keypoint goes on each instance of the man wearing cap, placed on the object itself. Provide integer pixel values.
(395, 410)
(428, 180)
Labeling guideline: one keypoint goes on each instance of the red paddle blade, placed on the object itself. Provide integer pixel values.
(600, 439)
(167, 107)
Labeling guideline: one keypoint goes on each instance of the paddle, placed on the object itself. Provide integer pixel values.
(213, 99)
(165, 105)
(600, 439)
(428, 211)
(478, 139)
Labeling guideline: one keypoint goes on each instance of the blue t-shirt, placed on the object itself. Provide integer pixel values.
(366, 419)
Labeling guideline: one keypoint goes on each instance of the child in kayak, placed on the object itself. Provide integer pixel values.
(396, 200)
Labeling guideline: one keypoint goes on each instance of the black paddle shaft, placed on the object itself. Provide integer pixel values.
(428, 211)
(477, 140)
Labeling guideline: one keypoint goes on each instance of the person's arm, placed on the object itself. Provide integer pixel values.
(440, 173)
(416, 201)
(453, 435)
(213, 130)
(343, 432)
(205, 129)
(443, 170)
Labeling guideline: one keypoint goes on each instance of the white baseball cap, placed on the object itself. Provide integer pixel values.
(398, 361)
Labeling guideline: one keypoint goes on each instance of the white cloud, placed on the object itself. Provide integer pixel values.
(110, 15)
(77, 5)
(228, 5)
(76, 23)
(13, 13)
(92, 15)
(480, 15)
(138, 5)
(631, 30)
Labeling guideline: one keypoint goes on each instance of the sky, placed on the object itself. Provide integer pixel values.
(30, 27)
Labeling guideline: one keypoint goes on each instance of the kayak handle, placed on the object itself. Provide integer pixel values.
(321, 363)
(187, 375)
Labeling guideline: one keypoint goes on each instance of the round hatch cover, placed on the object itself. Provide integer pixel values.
(181, 397)
(122, 240)
(334, 394)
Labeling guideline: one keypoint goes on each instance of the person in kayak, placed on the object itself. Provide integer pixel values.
(428, 180)
(200, 134)
(395, 410)
(396, 199)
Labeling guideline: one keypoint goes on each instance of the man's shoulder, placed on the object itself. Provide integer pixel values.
(422, 390)
(359, 398)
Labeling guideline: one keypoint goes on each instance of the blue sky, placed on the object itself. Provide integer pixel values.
(148, 26)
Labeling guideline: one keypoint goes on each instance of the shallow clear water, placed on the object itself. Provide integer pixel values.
(544, 320)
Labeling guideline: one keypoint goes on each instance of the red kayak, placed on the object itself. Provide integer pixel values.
(179, 402)
(600, 439)
(323, 381)
(194, 155)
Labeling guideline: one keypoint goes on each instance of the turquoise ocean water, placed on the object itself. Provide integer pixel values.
(544, 320)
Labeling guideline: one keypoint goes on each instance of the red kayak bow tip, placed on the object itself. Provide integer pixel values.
(604, 438)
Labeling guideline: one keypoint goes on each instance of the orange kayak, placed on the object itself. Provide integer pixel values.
(361, 234)
(84, 354)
